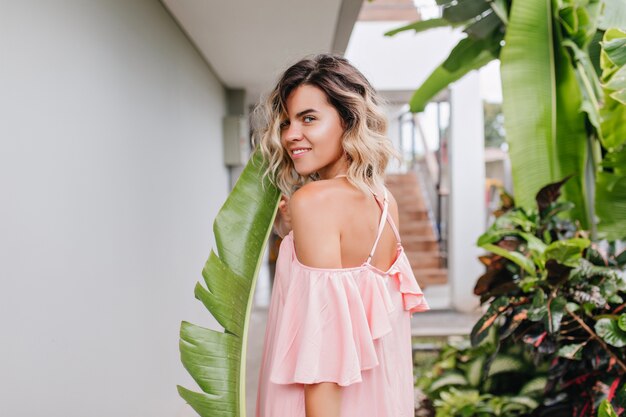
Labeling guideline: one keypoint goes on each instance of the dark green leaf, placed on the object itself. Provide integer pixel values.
(610, 332)
(465, 57)
(534, 386)
(539, 309)
(573, 351)
(475, 371)
(556, 310)
(447, 380)
(516, 257)
(484, 27)
(482, 327)
(467, 51)
(567, 252)
(569, 19)
(504, 364)
(465, 10)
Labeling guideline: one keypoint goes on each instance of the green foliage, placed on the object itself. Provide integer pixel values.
(606, 410)
(480, 381)
(564, 95)
(482, 21)
(609, 330)
(216, 360)
(611, 180)
(564, 302)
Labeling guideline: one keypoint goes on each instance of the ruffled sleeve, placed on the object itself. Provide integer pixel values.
(323, 335)
(328, 326)
(331, 318)
(412, 294)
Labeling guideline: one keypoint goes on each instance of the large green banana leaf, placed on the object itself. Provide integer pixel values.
(216, 360)
(614, 14)
(611, 196)
(541, 103)
(482, 21)
(611, 180)
(469, 54)
(571, 131)
(613, 112)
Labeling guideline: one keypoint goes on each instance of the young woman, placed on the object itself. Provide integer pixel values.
(338, 337)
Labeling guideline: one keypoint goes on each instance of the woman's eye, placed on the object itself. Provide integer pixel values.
(284, 124)
(308, 119)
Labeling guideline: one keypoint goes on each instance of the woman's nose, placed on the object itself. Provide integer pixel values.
(293, 132)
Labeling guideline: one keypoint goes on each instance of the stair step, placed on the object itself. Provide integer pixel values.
(409, 215)
(418, 233)
(410, 201)
(431, 276)
(422, 259)
(416, 227)
(411, 243)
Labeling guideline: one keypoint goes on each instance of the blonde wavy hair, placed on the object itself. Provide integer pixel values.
(366, 146)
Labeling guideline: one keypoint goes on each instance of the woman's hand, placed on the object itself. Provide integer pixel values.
(282, 223)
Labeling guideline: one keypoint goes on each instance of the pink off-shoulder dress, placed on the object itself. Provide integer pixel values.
(351, 326)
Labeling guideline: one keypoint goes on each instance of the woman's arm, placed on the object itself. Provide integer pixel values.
(317, 242)
(322, 400)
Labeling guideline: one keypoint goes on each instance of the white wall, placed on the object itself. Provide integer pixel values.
(110, 176)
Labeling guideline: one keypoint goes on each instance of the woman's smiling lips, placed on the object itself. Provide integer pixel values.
(299, 152)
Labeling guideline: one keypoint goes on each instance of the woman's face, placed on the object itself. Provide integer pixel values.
(312, 133)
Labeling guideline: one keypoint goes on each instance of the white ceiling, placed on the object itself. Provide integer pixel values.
(248, 43)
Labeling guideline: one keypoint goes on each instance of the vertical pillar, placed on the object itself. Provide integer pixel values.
(467, 191)
(235, 102)
(393, 112)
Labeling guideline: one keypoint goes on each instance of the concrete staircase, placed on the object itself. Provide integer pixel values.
(417, 231)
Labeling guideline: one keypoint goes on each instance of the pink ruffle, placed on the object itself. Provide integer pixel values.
(412, 295)
(332, 318)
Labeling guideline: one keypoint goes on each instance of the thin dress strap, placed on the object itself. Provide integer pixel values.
(384, 217)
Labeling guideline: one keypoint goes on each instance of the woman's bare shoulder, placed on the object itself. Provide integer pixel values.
(319, 194)
(316, 223)
(393, 206)
(331, 198)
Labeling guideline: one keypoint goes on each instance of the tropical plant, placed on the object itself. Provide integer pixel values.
(485, 380)
(564, 98)
(606, 410)
(216, 360)
(551, 289)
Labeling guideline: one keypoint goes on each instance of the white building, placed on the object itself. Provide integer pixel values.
(112, 171)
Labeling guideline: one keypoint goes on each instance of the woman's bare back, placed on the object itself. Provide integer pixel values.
(335, 214)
